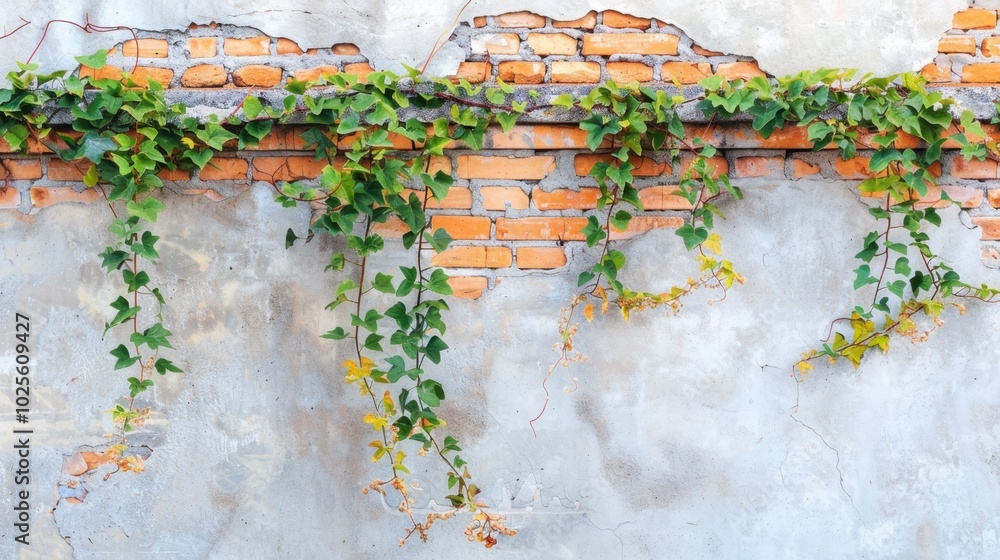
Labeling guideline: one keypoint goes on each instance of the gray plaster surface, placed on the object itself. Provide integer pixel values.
(687, 437)
(785, 36)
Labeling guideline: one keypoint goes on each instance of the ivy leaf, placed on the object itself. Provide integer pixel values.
(372, 342)
(692, 236)
(124, 358)
(164, 365)
(864, 277)
(430, 392)
(593, 232)
(620, 220)
(506, 120)
(438, 282)
(252, 107)
(597, 128)
(383, 283)
(290, 238)
(147, 209)
(336, 334)
(398, 313)
(370, 322)
(439, 184)
(434, 348)
(96, 61)
(902, 266)
(439, 240)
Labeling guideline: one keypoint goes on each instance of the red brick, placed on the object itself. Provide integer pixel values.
(520, 19)
(496, 43)
(623, 21)
(991, 46)
(474, 72)
(467, 287)
(60, 170)
(993, 196)
(292, 168)
(966, 197)
(108, 72)
(544, 44)
(983, 73)
(9, 197)
(498, 198)
(225, 169)
(975, 18)
(42, 197)
(717, 164)
(802, 168)
(359, 69)
(540, 257)
(957, 44)
(991, 227)
(663, 198)
(554, 229)
(204, 75)
(625, 72)
(257, 75)
(15, 169)
(566, 199)
(760, 166)
(282, 138)
(345, 49)
(474, 257)
(174, 175)
(143, 75)
(740, 70)
(392, 228)
(539, 136)
(566, 72)
(532, 168)
(314, 74)
(642, 224)
(463, 227)
(202, 47)
(522, 72)
(973, 169)
(254, 46)
(644, 167)
(458, 198)
(287, 46)
(685, 72)
(700, 51)
(588, 22)
(630, 43)
(479, 21)
(147, 48)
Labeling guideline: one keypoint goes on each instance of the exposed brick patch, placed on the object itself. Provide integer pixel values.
(540, 257)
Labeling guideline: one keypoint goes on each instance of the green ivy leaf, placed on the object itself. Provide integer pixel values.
(96, 61)
(124, 359)
(146, 209)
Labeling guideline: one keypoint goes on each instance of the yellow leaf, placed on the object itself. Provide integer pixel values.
(588, 312)
(188, 142)
(804, 367)
(714, 243)
(377, 422)
(354, 372)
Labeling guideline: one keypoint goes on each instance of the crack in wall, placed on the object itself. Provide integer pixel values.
(837, 465)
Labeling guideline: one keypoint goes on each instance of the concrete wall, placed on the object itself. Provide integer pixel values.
(687, 437)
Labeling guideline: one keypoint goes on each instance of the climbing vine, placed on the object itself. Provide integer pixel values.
(379, 155)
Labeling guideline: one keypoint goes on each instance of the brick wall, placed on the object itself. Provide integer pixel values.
(518, 205)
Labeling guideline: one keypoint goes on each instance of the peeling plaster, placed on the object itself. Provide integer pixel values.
(785, 36)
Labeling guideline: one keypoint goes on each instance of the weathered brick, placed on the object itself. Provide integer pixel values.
(642, 224)
(60, 170)
(625, 72)
(619, 20)
(392, 228)
(108, 72)
(42, 197)
(588, 22)
(474, 257)
(966, 197)
(760, 166)
(145, 48)
(554, 229)
(287, 46)
(463, 227)
(9, 197)
(479, 21)
(225, 169)
(15, 169)
(202, 47)
(644, 166)
(981, 73)
(685, 72)
(740, 70)
(565, 72)
(282, 138)
(701, 51)
(802, 168)
(204, 75)
(566, 199)
(253, 46)
(545, 44)
(257, 75)
(937, 73)
(663, 198)
(500, 198)
(975, 18)
(522, 72)
(473, 72)
(291, 168)
(345, 49)
(539, 136)
(174, 175)
(531, 168)
(467, 287)
(718, 164)
(957, 44)
(143, 75)
(458, 198)
(520, 19)
(993, 196)
(973, 169)
(540, 257)
(496, 43)
(314, 74)
(991, 46)
(990, 225)
(630, 43)
(359, 69)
